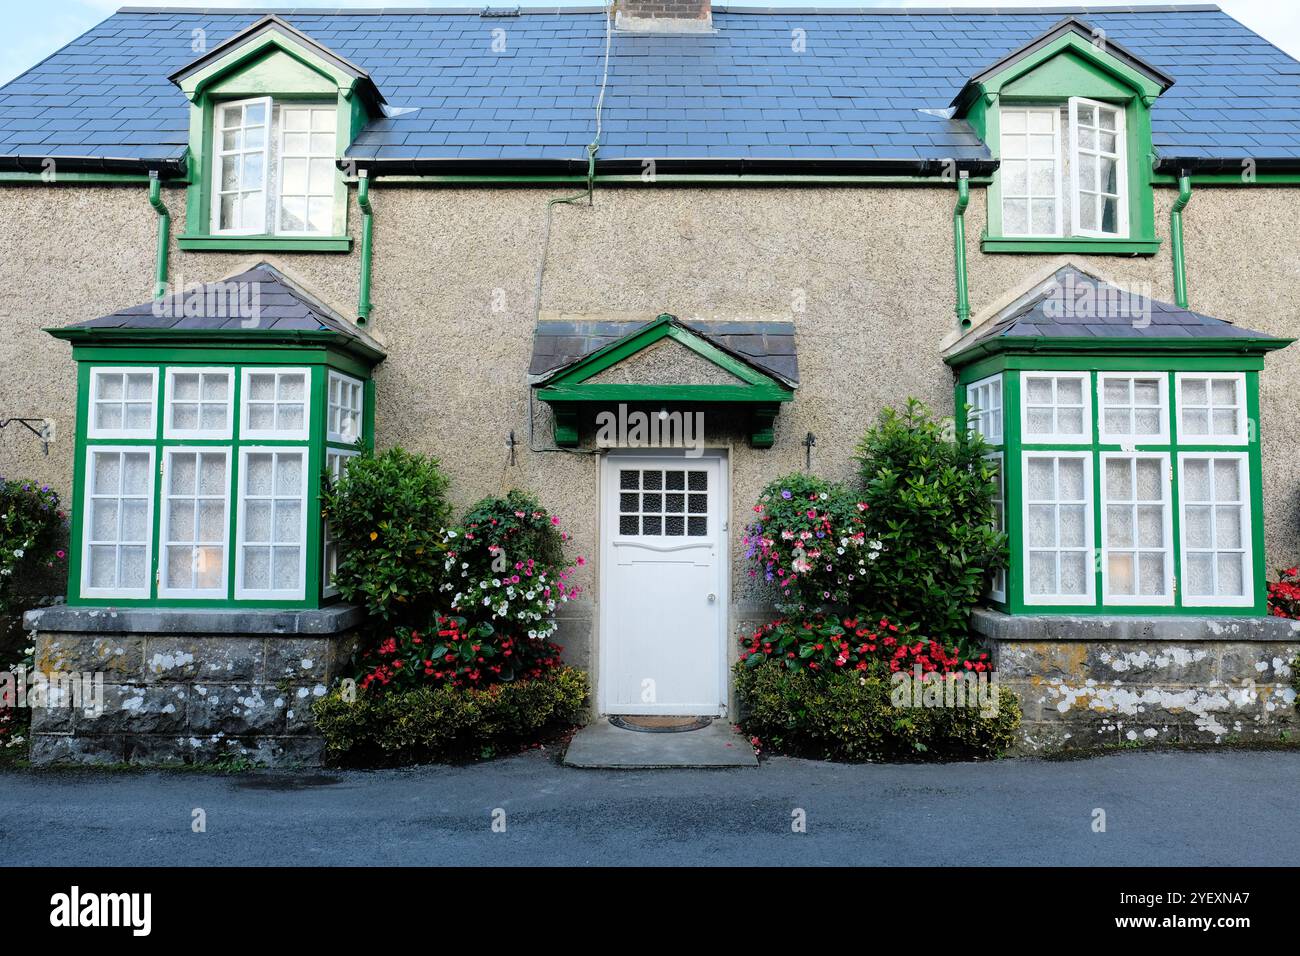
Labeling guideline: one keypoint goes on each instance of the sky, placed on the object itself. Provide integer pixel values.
(35, 30)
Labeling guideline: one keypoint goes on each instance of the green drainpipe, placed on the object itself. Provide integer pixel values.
(364, 304)
(1176, 237)
(959, 248)
(164, 235)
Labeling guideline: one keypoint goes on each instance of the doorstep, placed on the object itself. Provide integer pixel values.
(601, 745)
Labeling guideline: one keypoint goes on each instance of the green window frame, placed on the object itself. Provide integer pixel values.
(279, 71)
(1206, 531)
(231, 448)
(1065, 76)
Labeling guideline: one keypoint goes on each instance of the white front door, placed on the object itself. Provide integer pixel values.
(663, 576)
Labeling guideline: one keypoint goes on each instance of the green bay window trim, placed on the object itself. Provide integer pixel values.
(199, 469)
(1159, 492)
(1095, 85)
(272, 113)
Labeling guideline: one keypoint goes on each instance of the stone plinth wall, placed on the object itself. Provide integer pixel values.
(188, 686)
(1090, 682)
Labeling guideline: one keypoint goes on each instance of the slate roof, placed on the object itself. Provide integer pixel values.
(858, 92)
(282, 309)
(1076, 304)
(768, 346)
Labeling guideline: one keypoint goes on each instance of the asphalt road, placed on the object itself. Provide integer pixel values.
(1224, 808)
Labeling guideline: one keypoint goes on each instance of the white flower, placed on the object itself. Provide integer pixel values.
(18, 553)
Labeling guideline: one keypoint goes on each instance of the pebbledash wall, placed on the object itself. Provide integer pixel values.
(454, 274)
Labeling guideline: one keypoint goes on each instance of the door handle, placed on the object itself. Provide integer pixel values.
(712, 597)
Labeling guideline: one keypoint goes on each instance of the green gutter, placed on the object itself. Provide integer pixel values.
(364, 304)
(1124, 345)
(959, 248)
(1176, 238)
(164, 235)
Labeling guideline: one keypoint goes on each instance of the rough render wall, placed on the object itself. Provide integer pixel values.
(454, 275)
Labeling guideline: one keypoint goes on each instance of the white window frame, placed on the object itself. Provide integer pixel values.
(275, 434)
(330, 405)
(994, 412)
(87, 524)
(123, 432)
(169, 432)
(326, 539)
(1166, 482)
(1056, 438)
(164, 531)
(1132, 441)
(279, 178)
(218, 155)
(996, 593)
(1243, 425)
(1059, 224)
(270, 594)
(1089, 597)
(1247, 597)
(1121, 172)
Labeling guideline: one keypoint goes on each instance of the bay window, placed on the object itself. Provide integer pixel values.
(1127, 489)
(274, 168)
(1216, 529)
(201, 481)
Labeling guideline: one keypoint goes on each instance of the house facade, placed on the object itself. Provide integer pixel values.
(241, 244)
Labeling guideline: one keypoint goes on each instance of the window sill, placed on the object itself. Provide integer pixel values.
(265, 243)
(1058, 244)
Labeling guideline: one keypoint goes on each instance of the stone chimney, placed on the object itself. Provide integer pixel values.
(664, 16)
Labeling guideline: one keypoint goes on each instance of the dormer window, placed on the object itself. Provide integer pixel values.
(272, 112)
(1063, 170)
(274, 171)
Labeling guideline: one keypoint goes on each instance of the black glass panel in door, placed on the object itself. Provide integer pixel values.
(645, 509)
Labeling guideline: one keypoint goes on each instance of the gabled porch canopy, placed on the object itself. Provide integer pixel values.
(746, 364)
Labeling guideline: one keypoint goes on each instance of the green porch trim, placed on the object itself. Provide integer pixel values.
(1009, 367)
(568, 393)
(209, 243)
(667, 179)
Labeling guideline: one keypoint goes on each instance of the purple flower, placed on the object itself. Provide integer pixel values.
(786, 495)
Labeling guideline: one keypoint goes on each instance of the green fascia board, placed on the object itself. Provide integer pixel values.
(672, 179)
(1072, 43)
(1160, 351)
(1229, 179)
(209, 243)
(675, 394)
(244, 55)
(1059, 245)
(77, 178)
(219, 341)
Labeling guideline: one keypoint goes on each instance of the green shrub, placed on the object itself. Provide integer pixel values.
(388, 513)
(31, 532)
(807, 542)
(848, 715)
(448, 723)
(930, 499)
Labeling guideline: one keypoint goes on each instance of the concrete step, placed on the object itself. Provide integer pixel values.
(601, 745)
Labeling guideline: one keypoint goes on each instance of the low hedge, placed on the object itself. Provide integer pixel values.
(847, 715)
(448, 723)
